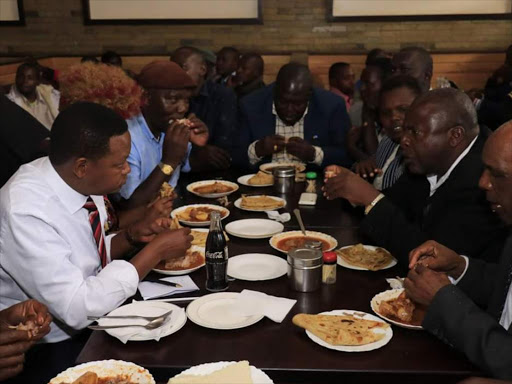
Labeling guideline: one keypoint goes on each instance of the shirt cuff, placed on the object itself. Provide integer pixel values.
(253, 158)
(319, 156)
(124, 273)
(456, 281)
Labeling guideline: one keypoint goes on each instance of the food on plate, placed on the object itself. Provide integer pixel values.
(360, 256)
(216, 187)
(201, 236)
(341, 329)
(261, 178)
(198, 214)
(403, 310)
(175, 224)
(238, 373)
(192, 259)
(298, 241)
(166, 190)
(261, 202)
(92, 378)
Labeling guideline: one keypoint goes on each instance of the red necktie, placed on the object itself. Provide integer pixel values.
(94, 219)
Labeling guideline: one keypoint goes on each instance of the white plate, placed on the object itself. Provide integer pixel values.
(276, 238)
(181, 272)
(254, 228)
(217, 311)
(106, 368)
(145, 308)
(389, 295)
(224, 214)
(354, 348)
(346, 264)
(191, 187)
(256, 267)
(298, 166)
(238, 204)
(244, 180)
(257, 375)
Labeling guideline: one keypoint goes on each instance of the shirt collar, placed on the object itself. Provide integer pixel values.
(435, 183)
(274, 112)
(72, 200)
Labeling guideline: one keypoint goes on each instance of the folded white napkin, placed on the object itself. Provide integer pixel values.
(395, 283)
(274, 215)
(152, 290)
(275, 308)
(125, 334)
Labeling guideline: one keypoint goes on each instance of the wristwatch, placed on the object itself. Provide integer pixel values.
(166, 168)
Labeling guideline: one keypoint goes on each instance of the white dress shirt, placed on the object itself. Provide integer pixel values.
(434, 183)
(287, 131)
(48, 251)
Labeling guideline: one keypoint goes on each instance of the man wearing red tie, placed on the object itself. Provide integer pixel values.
(53, 246)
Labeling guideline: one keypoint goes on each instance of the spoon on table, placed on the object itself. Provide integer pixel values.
(296, 212)
(153, 324)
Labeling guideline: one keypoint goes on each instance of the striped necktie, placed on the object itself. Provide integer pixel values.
(94, 219)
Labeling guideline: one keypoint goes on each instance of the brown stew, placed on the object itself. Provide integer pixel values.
(298, 242)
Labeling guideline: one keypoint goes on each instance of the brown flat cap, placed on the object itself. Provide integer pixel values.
(164, 74)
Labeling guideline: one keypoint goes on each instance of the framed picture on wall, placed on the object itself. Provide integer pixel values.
(11, 12)
(403, 10)
(172, 12)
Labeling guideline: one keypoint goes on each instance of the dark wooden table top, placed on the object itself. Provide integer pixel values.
(283, 350)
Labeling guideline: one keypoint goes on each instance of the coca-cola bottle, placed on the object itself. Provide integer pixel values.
(216, 256)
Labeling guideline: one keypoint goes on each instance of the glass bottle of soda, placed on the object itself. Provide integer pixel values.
(216, 256)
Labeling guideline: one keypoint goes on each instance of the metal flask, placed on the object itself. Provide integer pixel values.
(305, 269)
(284, 179)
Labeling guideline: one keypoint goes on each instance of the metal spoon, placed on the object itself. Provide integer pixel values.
(299, 219)
(153, 324)
(148, 318)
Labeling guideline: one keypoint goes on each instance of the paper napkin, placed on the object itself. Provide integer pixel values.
(152, 290)
(258, 303)
(274, 215)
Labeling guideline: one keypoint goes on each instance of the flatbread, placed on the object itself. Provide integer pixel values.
(166, 190)
(238, 373)
(261, 178)
(359, 256)
(341, 330)
(216, 187)
(260, 202)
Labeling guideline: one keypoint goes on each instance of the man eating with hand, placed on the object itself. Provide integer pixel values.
(455, 313)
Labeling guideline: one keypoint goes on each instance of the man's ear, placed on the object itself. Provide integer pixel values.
(204, 69)
(80, 167)
(457, 134)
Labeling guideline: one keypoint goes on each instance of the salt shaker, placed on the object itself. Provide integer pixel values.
(284, 179)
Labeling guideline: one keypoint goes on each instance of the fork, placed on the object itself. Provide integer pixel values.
(153, 324)
(148, 318)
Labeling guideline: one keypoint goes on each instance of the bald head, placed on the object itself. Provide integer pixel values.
(415, 62)
(193, 62)
(295, 78)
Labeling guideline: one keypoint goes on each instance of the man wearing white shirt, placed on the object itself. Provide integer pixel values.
(454, 311)
(438, 196)
(53, 246)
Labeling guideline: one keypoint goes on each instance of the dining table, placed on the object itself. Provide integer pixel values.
(283, 350)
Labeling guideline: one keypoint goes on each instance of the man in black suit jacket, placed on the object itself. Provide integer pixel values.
(438, 198)
(454, 311)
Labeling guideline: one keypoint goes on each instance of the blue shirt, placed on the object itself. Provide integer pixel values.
(145, 154)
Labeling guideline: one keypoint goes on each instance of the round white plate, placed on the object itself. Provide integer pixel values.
(256, 267)
(180, 272)
(191, 187)
(354, 348)
(254, 228)
(257, 375)
(217, 311)
(276, 238)
(106, 368)
(224, 214)
(298, 166)
(346, 264)
(244, 180)
(145, 308)
(238, 204)
(389, 295)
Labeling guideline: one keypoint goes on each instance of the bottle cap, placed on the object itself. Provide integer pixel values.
(311, 175)
(330, 257)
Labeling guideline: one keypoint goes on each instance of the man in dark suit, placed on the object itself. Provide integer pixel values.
(438, 198)
(292, 121)
(454, 311)
(22, 138)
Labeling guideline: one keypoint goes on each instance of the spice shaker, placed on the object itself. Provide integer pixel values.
(329, 267)
(311, 182)
(304, 269)
(284, 179)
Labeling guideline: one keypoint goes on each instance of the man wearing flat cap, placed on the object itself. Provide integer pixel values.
(161, 137)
